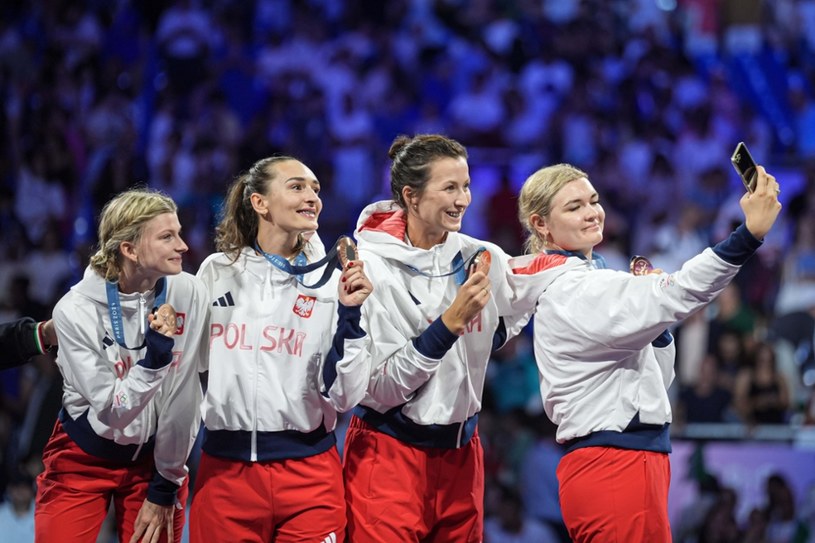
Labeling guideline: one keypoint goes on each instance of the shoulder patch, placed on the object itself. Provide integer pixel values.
(541, 262)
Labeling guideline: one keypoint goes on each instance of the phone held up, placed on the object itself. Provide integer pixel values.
(745, 166)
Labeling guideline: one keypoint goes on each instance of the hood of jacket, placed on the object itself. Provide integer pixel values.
(381, 230)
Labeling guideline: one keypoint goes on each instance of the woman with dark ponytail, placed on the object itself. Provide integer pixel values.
(286, 354)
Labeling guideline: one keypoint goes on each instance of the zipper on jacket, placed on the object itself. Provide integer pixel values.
(253, 454)
(142, 316)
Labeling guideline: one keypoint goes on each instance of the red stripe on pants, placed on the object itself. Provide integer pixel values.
(397, 492)
(285, 501)
(613, 495)
(75, 490)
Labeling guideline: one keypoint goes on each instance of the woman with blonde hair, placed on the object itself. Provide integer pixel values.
(129, 334)
(604, 355)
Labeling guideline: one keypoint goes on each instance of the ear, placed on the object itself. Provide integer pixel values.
(259, 203)
(538, 224)
(410, 197)
(128, 251)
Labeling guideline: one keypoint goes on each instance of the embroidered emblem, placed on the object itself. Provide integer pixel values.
(304, 305)
(180, 319)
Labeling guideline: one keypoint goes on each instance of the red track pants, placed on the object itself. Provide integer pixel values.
(75, 490)
(613, 495)
(285, 501)
(397, 492)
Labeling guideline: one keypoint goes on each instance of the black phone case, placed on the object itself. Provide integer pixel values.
(745, 166)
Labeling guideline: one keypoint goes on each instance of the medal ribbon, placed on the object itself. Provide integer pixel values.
(115, 309)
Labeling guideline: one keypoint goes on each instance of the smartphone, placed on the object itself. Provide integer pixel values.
(745, 166)
(347, 251)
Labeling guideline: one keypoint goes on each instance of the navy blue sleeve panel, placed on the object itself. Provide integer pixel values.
(663, 340)
(347, 328)
(18, 342)
(435, 341)
(160, 491)
(500, 335)
(738, 247)
(159, 350)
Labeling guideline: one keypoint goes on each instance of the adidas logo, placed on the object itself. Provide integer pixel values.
(225, 301)
(332, 538)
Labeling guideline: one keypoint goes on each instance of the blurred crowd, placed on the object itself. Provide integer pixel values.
(648, 96)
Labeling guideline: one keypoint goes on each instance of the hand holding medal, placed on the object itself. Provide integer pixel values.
(642, 266)
(480, 263)
(354, 285)
(163, 320)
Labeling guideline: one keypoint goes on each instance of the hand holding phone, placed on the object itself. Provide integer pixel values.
(745, 166)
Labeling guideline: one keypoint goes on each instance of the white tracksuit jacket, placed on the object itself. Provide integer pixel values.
(426, 383)
(604, 357)
(115, 400)
(283, 359)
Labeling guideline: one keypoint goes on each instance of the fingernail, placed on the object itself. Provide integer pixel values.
(343, 279)
(351, 264)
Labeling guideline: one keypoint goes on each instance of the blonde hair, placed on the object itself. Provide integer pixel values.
(536, 197)
(123, 219)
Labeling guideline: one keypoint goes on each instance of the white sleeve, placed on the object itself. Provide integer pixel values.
(617, 310)
(347, 366)
(117, 402)
(179, 417)
(398, 369)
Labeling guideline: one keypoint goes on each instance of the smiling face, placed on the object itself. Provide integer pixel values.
(440, 207)
(575, 222)
(158, 250)
(292, 204)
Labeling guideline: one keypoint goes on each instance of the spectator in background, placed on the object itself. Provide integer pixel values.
(511, 524)
(762, 394)
(732, 355)
(49, 268)
(538, 481)
(730, 313)
(17, 510)
(501, 215)
(513, 376)
(183, 35)
(783, 523)
(706, 400)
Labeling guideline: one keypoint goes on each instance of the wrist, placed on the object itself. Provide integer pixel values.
(39, 338)
(455, 325)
